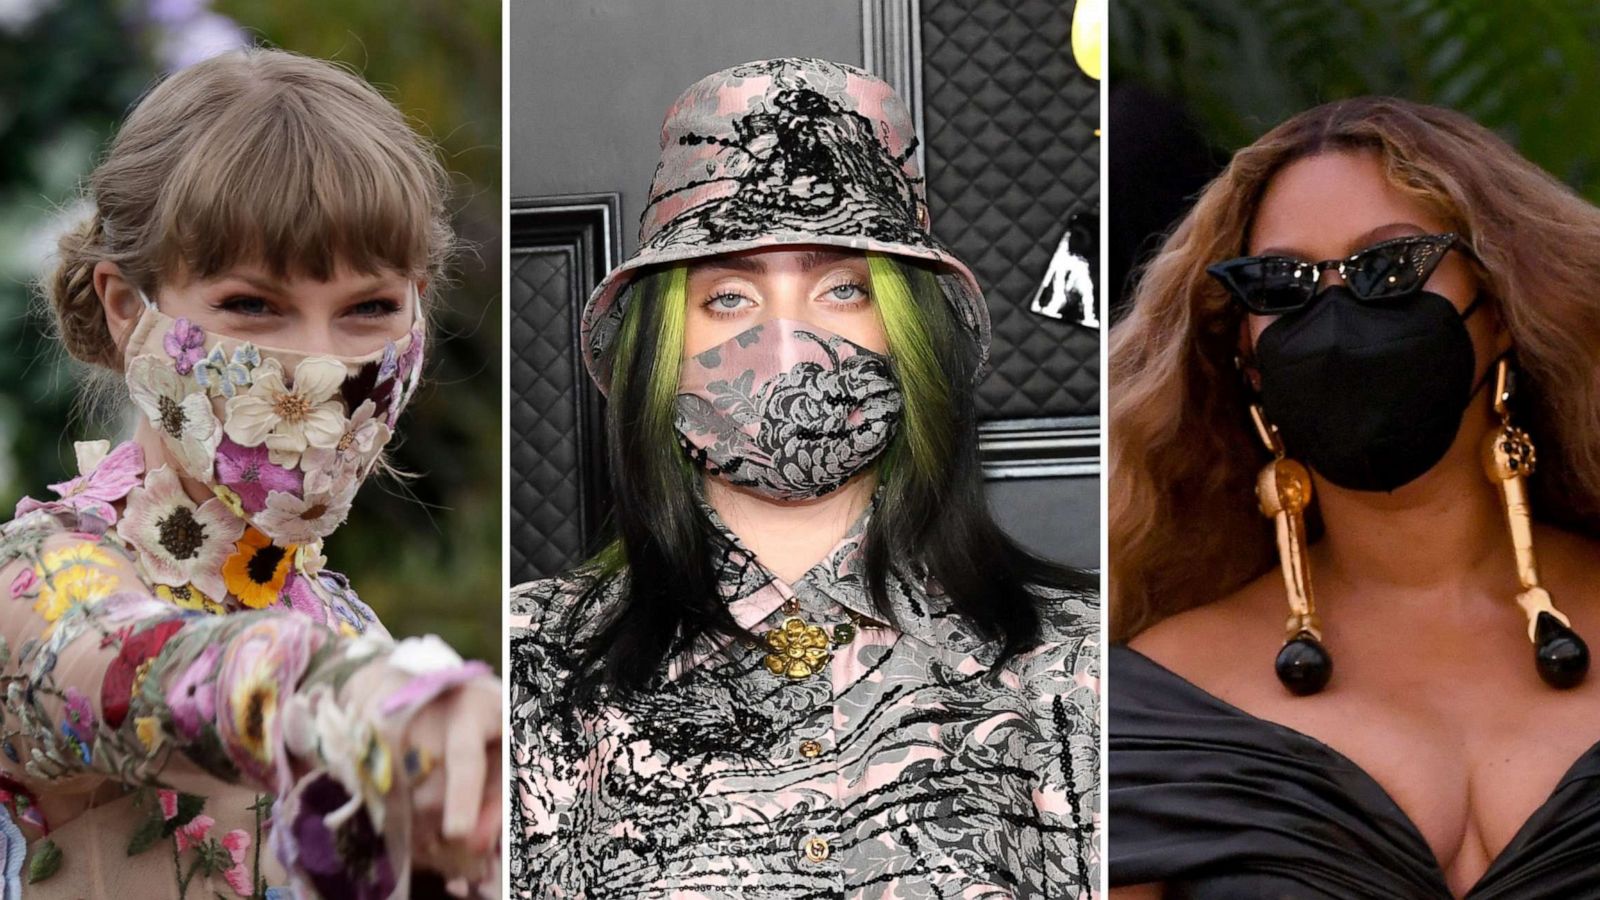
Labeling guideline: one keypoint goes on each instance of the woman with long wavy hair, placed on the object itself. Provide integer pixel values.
(1325, 404)
(810, 664)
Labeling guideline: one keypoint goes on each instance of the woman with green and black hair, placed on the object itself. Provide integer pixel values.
(809, 664)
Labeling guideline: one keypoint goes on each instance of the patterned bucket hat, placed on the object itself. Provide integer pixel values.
(781, 152)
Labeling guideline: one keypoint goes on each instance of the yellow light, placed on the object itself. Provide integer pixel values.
(1089, 35)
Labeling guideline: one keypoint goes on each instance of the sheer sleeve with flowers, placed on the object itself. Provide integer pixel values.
(121, 676)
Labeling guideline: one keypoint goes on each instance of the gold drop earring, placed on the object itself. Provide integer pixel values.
(1283, 491)
(1508, 458)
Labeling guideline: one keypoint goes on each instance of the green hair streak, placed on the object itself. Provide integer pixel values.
(914, 356)
(665, 293)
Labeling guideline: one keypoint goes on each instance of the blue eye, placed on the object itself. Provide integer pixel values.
(376, 308)
(245, 305)
(726, 304)
(847, 292)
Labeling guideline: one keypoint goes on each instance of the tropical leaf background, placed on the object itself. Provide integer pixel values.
(1528, 69)
(425, 552)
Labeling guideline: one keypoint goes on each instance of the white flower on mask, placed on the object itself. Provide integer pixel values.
(179, 542)
(294, 520)
(289, 420)
(180, 410)
(223, 375)
(328, 470)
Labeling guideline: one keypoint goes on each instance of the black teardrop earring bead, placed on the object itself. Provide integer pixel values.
(1559, 654)
(1558, 651)
(1283, 491)
(1304, 665)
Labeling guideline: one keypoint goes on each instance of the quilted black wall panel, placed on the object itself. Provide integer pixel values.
(560, 247)
(1011, 153)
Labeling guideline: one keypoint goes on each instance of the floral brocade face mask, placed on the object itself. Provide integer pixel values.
(787, 409)
(282, 437)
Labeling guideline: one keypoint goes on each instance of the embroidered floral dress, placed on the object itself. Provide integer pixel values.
(838, 758)
(178, 687)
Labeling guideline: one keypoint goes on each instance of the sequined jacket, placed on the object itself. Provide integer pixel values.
(839, 757)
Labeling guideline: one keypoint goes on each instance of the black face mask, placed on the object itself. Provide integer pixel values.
(1370, 395)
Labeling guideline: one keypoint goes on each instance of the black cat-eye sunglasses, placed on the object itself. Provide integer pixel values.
(1274, 285)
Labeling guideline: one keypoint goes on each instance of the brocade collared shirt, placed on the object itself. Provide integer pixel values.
(907, 766)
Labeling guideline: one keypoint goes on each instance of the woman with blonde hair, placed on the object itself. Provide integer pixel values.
(185, 679)
(1325, 403)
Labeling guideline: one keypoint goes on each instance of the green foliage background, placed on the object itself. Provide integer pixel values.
(1528, 69)
(426, 552)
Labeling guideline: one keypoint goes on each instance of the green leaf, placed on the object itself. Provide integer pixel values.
(146, 835)
(1240, 67)
(46, 862)
(189, 806)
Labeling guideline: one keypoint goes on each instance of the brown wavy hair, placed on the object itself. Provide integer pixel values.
(1183, 529)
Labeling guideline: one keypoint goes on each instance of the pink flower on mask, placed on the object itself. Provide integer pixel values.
(185, 343)
(250, 473)
(410, 362)
(409, 373)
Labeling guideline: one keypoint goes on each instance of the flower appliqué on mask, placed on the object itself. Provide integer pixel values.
(180, 410)
(283, 439)
(186, 344)
(289, 419)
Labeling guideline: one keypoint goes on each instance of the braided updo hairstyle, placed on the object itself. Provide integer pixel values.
(80, 320)
(257, 156)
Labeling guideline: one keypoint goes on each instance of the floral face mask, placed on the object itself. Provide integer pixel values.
(283, 438)
(787, 409)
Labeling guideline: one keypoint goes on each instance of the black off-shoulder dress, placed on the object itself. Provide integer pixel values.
(1221, 805)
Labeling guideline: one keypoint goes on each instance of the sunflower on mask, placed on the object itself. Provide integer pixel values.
(256, 571)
